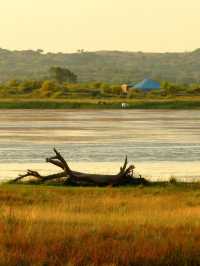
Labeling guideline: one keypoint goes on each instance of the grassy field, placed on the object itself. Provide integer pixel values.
(46, 225)
(173, 103)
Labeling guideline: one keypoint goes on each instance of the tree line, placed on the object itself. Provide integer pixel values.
(63, 83)
(105, 66)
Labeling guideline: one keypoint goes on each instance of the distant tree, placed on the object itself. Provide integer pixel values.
(62, 75)
(40, 51)
(80, 51)
(28, 86)
(172, 88)
(95, 85)
(13, 83)
(48, 88)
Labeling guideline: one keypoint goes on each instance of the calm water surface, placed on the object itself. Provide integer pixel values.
(160, 143)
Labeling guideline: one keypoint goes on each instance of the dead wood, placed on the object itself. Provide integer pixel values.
(69, 177)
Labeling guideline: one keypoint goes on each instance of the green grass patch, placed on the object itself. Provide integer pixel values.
(94, 104)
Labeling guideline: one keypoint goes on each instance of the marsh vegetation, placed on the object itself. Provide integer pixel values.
(45, 225)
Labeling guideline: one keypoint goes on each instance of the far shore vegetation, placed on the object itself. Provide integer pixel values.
(112, 67)
(61, 89)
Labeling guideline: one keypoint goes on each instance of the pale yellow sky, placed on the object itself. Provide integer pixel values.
(68, 25)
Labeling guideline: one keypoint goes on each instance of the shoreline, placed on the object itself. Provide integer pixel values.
(172, 182)
(174, 104)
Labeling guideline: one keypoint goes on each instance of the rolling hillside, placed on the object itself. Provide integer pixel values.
(104, 66)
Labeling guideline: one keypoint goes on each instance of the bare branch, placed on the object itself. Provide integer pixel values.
(122, 169)
(129, 171)
(62, 160)
(55, 162)
(29, 173)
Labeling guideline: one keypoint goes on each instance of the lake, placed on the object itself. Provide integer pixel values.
(161, 143)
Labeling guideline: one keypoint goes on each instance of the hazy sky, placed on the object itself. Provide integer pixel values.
(68, 25)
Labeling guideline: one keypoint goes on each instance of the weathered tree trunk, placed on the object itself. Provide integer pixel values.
(70, 177)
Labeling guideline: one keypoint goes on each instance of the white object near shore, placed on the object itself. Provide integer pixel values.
(124, 105)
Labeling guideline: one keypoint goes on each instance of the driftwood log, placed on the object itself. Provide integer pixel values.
(69, 177)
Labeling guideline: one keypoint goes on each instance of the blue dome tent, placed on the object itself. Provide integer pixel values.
(146, 85)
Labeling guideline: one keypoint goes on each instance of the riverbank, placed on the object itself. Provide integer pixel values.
(46, 225)
(175, 103)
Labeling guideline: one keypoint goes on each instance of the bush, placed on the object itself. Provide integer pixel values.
(48, 88)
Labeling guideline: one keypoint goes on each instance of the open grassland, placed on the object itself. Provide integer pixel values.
(113, 103)
(45, 225)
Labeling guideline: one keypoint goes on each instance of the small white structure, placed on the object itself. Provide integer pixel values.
(124, 105)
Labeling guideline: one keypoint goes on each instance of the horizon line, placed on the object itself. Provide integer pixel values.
(82, 51)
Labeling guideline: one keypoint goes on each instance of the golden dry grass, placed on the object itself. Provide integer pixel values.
(44, 225)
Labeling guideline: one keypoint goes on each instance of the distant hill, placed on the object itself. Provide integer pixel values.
(104, 66)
